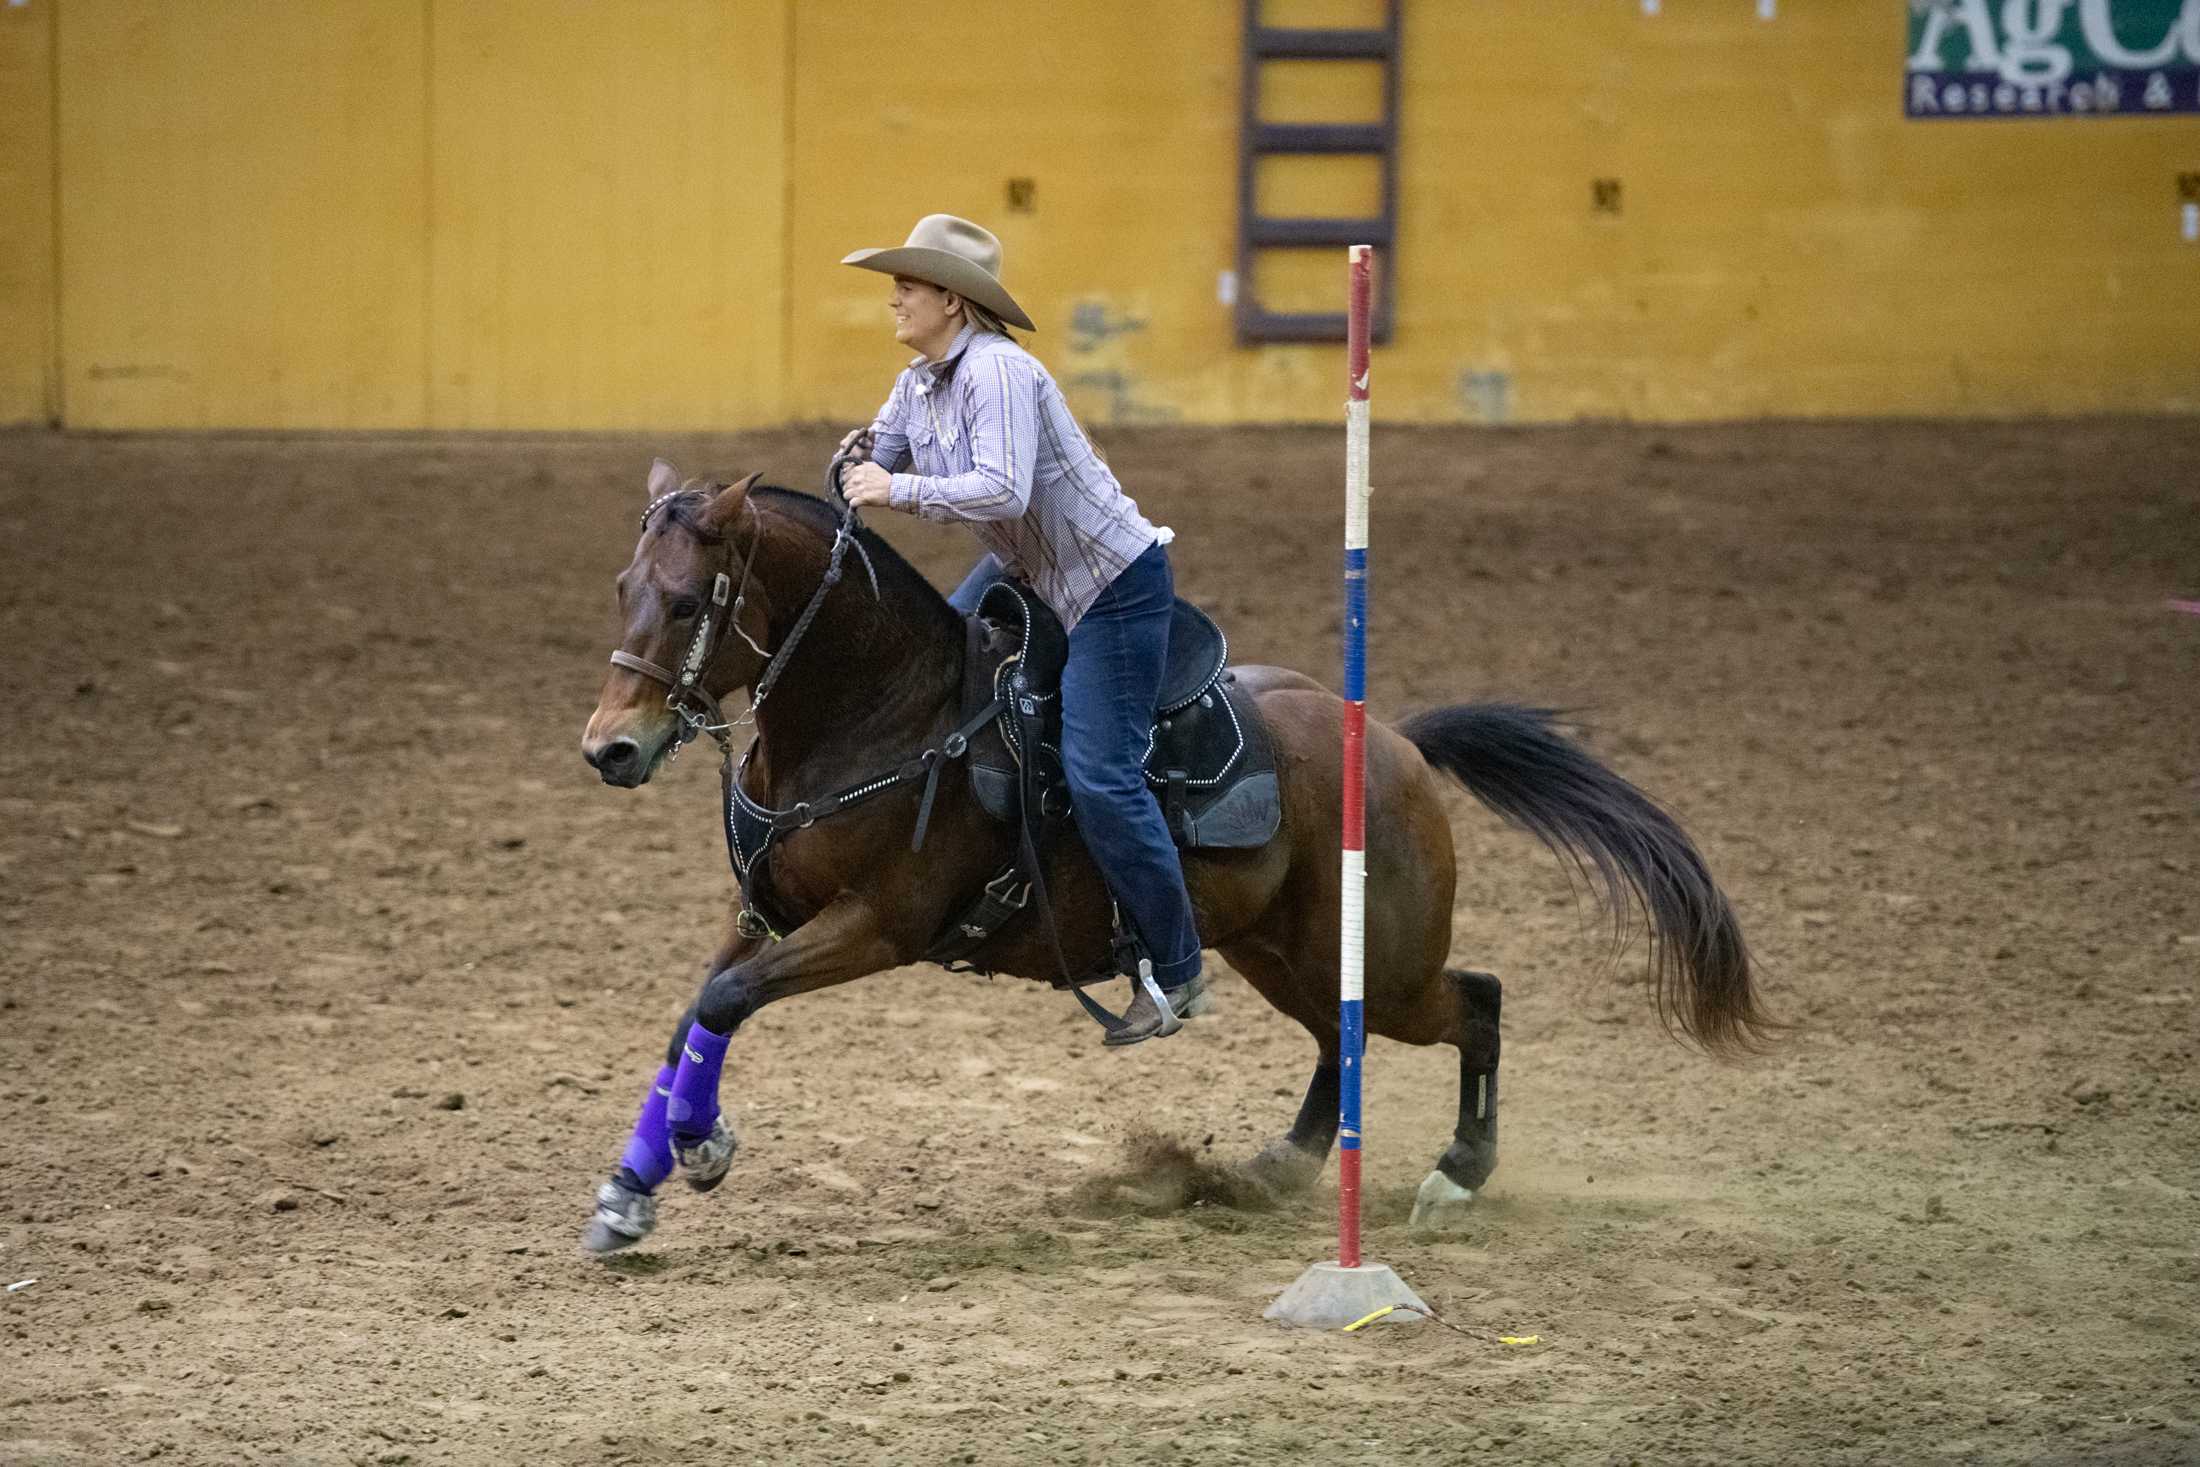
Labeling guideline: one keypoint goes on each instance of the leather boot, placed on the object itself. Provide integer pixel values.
(1154, 1013)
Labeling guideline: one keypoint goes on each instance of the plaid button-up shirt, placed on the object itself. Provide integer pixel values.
(985, 437)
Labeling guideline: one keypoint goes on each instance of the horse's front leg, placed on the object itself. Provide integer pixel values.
(626, 1204)
(680, 1119)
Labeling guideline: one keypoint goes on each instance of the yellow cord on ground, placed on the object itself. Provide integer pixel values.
(1427, 1313)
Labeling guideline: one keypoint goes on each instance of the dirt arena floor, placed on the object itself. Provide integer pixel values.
(332, 976)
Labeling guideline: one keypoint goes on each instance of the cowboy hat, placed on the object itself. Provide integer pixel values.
(955, 255)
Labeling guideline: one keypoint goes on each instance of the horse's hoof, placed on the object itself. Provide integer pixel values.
(706, 1162)
(623, 1218)
(1283, 1167)
(1440, 1206)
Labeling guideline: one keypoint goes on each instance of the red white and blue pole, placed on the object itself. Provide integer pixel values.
(1351, 1292)
(1352, 1036)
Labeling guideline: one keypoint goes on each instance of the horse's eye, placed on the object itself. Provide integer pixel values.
(684, 609)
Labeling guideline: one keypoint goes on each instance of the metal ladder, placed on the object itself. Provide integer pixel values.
(1258, 139)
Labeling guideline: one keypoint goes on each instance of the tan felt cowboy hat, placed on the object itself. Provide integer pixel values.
(955, 255)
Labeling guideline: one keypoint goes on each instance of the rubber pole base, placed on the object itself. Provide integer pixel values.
(1331, 1296)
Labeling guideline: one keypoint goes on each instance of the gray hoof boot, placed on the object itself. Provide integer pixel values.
(623, 1218)
(705, 1163)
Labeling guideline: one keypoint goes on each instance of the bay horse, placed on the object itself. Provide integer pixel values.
(847, 678)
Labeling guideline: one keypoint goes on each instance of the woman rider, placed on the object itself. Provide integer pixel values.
(976, 431)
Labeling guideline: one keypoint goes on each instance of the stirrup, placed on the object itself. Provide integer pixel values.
(705, 1162)
(1150, 1015)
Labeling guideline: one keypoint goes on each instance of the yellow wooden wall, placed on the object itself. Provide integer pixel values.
(471, 214)
(1124, 117)
(27, 388)
(606, 240)
(1788, 244)
(241, 191)
(581, 214)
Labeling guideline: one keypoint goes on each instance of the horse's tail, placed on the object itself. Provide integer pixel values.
(1516, 762)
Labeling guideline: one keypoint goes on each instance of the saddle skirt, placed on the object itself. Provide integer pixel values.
(1208, 756)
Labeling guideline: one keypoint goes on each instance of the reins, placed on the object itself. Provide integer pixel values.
(844, 537)
(765, 825)
(687, 690)
(687, 687)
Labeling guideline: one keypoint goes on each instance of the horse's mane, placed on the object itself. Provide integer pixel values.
(901, 585)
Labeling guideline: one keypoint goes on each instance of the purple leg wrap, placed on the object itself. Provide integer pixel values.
(693, 1104)
(649, 1150)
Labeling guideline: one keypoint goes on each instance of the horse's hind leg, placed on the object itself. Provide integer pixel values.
(1292, 1162)
(1467, 1163)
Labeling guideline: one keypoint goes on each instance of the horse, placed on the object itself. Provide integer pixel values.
(849, 673)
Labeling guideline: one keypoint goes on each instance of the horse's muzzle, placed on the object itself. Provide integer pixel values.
(620, 761)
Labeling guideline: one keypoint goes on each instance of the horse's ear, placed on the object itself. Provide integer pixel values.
(720, 516)
(663, 479)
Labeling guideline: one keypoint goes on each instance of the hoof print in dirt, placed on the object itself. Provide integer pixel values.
(1161, 1175)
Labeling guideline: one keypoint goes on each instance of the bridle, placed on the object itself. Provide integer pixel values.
(753, 828)
(691, 702)
(699, 712)
(1020, 883)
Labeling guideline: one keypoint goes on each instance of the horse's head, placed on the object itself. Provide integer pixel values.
(692, 622)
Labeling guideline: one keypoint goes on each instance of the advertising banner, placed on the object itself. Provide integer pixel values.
(2052, 58)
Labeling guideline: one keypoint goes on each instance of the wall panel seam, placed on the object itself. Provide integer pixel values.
(55, 364)
(783, 407)
(428, 401)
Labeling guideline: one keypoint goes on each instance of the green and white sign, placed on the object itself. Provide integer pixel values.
(2052, 58)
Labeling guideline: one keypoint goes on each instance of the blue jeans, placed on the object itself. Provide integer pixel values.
(1117, 654)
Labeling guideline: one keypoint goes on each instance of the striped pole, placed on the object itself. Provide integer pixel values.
(1352, 1038)
(1350, 1292)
